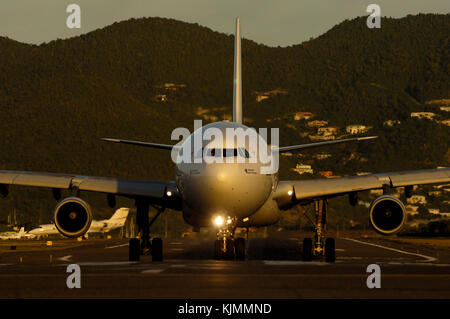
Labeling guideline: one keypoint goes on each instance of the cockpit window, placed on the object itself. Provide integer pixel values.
(228, 152)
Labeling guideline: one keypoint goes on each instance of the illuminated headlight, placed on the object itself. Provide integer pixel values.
(169, 193)
(229, 220)
(218, 221)
(289, 192)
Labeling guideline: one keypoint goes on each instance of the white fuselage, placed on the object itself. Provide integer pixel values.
(231, 190)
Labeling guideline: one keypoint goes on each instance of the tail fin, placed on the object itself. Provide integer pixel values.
(237, 88)
(22, 230)
(120, 215)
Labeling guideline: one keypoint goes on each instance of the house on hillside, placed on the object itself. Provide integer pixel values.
(357, 128)
(417, 199)
(317, 123)
(391, 122)
(328, 130)
(445, 122)
(303, 116)
(302, 169)
(423, 115)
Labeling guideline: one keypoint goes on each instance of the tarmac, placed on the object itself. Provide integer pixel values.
(273, 270)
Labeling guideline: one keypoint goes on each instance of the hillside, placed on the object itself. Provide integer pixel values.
(57, 99)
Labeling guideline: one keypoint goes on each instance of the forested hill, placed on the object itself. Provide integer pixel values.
(57, 99)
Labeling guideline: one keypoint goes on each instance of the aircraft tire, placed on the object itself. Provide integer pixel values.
(239, 245)
(134, 249)
(230, 253)
(157, 249)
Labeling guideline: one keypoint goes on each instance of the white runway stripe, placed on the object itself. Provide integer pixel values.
(428, 258)
(111, 247)
(107, 263)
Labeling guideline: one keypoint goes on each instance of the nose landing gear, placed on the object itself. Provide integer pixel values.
(226, 247)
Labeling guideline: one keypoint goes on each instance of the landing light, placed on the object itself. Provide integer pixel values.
(229, 220)
(169, 193)
(218, 221)
(289, 192)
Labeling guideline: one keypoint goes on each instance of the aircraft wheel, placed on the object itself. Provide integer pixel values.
(239, 245)
(230, 253)
(307, 249)
(330, 252)
(157, 249)
(134, 249)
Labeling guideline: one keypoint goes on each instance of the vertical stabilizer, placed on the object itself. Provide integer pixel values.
(120, 215)
(237, 86)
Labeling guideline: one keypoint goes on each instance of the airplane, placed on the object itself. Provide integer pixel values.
(101, 226)
(16, 235)
(227, 195)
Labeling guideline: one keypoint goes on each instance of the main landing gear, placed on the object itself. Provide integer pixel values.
(322, 247)
(144, 246)
(226, 247)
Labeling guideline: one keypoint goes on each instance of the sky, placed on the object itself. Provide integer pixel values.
(274, 23)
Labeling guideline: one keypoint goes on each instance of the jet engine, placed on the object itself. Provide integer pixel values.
(73, 217)
(387, 214)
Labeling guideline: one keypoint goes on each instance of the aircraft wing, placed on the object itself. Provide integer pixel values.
(289, 193)
(155, 191)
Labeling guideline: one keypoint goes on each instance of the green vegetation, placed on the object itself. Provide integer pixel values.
(59, 98)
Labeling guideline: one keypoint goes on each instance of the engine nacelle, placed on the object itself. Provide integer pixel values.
(73, 217)
(387, 214)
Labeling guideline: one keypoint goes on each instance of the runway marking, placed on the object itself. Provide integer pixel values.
(418, 264)
(176, 249)
(176, 243)
(428, 258)
(229, 275)
(5, 264)
(111, 247)
(339, 249)
(65, 258)
(177, 266)
(152, 271)
(293, 263)
(107, 263)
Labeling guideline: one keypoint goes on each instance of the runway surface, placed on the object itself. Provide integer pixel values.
(273, 270)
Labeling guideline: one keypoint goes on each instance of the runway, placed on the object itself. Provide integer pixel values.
(273, 270)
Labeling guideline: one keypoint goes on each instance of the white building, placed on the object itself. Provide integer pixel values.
(302, 169)
(416, 199)
(423, 115)
(433, 211)
(446, 122)
(412, 210)
(357, 129)
(303, 116)
(317, 123)
(328, 130)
